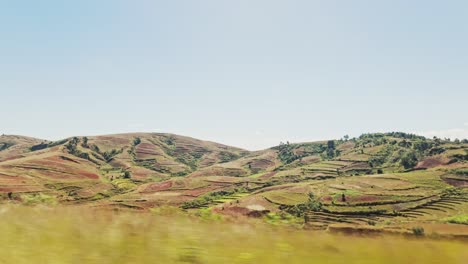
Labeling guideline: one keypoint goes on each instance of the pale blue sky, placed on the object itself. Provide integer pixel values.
(248, 73)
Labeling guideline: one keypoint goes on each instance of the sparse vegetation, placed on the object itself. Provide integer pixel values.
(458, 219)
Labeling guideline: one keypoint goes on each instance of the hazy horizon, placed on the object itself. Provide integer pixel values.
(246, 74)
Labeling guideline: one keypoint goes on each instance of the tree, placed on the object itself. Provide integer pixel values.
(409, 160)
(337, 152)
(405, 144)
(330, 152)
(127, 175)
(136, 141)
(346, 137)
(421, 146)
(286, 153)
(331, 144)
(85, 142)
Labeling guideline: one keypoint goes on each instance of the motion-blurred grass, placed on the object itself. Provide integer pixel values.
(80, 235)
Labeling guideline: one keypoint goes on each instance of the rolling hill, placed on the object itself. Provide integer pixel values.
(390, 179)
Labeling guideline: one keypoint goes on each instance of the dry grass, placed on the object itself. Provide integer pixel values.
(83, 235)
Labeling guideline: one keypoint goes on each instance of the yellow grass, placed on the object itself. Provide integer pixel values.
(83, 235)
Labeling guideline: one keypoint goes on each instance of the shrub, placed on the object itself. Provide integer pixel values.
(409, 160)
(39, 147)
(286, 153)
(40, 198)
(418, 231)
(84, 144)
(458, 219)
(299, 210)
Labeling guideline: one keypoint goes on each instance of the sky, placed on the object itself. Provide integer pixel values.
(247, 73)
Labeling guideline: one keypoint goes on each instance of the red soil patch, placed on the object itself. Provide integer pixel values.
(20, 188)
(432, 162)
(327, 199)
(261, 164)
(234, 209)
(89, 175)
(156, 187)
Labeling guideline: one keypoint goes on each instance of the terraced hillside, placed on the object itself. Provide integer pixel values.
(375, 180)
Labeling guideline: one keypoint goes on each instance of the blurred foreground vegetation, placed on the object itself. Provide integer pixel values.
(83, 235)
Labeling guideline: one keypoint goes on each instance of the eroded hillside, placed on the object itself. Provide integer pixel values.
(375, 179)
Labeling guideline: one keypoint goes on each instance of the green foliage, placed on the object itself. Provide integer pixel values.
(452, 191)
(71, 147)
(225, 156)
(95, 148)
(5, 145)
(421, 146)
(330, 152)
(299, 210)
(207, 214)
(127, 175)
(409, 160)
(123, 184)
(169, 140)
(44, 145)
(461, 219)
(418, 231)
(109, 155)
(40, 198)
(39, 147)
(462, 171)
(286, 153)
(283, 219)
(136, 141)
(84, 144)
